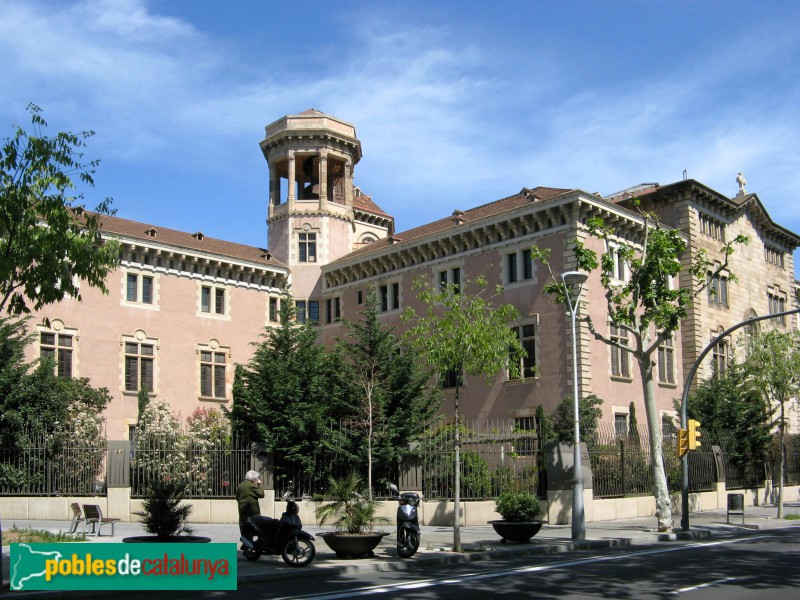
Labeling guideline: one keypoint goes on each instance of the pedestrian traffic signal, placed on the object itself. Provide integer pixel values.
(694, 434)
(683, 442)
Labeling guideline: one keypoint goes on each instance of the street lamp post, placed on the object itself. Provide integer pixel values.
(571, 279)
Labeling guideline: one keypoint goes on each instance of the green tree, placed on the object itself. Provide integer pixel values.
(463, 331)
(563, 419)
(647, 307)
(47, 240)
(289, 392)
(734, 415)
(391, 401)
(633, 426)
(773, 366)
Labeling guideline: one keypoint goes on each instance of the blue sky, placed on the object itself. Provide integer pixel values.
(456, 103)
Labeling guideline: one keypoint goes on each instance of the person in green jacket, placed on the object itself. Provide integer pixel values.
(247, 495)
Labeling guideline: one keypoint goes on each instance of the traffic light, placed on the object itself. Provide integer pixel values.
(694, 434)
(683, 442)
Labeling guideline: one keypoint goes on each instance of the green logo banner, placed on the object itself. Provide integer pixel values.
(118, 566)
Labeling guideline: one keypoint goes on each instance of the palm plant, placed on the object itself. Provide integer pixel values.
(350, 507)
(162, 513)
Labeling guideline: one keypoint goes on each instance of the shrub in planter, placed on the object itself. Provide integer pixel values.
(518, 506)
(520, 512)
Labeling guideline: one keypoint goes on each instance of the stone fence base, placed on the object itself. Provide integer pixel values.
(119, 504)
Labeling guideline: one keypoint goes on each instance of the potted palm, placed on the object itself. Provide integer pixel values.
(353, 515)
(520, 512)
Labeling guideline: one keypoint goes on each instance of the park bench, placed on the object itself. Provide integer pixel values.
(92, 514)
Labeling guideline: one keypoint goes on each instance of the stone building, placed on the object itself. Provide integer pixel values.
(184, 309)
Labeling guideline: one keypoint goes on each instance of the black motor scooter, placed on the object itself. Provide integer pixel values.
(408, 533)
(284, 536)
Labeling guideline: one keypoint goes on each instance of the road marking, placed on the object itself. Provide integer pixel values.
(703, 585)
(425, 583)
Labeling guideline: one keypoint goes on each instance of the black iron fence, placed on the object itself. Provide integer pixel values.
(494, 457)
(621, 463)
(210, 467)
(51, 465)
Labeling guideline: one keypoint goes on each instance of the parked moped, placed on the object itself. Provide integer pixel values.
(284, 536)
(408, 532)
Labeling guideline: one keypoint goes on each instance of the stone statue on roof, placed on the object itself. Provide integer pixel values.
(742, 182)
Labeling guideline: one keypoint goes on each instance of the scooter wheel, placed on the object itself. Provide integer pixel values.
(298, 552)
(407, 542)
(251, 554)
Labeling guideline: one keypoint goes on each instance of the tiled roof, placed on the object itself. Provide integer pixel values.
(366, 204)
(182, 239)
(525, 196)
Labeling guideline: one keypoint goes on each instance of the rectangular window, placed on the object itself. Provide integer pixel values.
(300, 311)
(450, 277)
(621, 425)
(313, 311)
(139, 288)
(147, 289)
(308, 247)
(328, 310)
(526, 334)
(619, 265)
(390, 296)
(57, 346)
(273, 310)
(666, 361)
(519, 266)
(773, 256)
(511, 260)
(337, 308)
(132, 288)
(212, 374)
(384, 291)
(527, 264)
(212, 300)
(777, 304)
(620, 360)
(443, 280)
(719, 357)
(219, 301)
(717, 290)
(139, 366)
(711, 228)
(359, 297)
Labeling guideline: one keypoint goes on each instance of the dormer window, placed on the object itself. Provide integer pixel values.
(151, 232)
(198, 236)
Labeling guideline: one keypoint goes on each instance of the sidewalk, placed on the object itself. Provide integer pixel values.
(437, 542)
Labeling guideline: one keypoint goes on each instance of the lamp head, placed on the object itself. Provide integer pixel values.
(574, 277)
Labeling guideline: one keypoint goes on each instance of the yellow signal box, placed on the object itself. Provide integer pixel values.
(694, 434)
(683, 442)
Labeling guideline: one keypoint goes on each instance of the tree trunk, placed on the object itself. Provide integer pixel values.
(783, 464)
(660, 488)
(457, 498)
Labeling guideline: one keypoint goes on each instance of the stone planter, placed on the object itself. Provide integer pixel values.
(516, 531)
(353, 545)
(175, 539)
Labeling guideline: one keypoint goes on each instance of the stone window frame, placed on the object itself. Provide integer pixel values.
(532, 321)
(139, 337)
(58, 329)
(139, 276)
(214, 288)
(215, 349)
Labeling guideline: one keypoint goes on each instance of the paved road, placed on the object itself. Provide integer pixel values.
(757, 565)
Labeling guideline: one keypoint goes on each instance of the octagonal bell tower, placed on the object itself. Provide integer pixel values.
(311, 220)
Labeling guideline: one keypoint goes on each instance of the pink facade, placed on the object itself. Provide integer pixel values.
(191, 307)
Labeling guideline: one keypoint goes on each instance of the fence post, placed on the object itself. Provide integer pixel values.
(261, 461)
